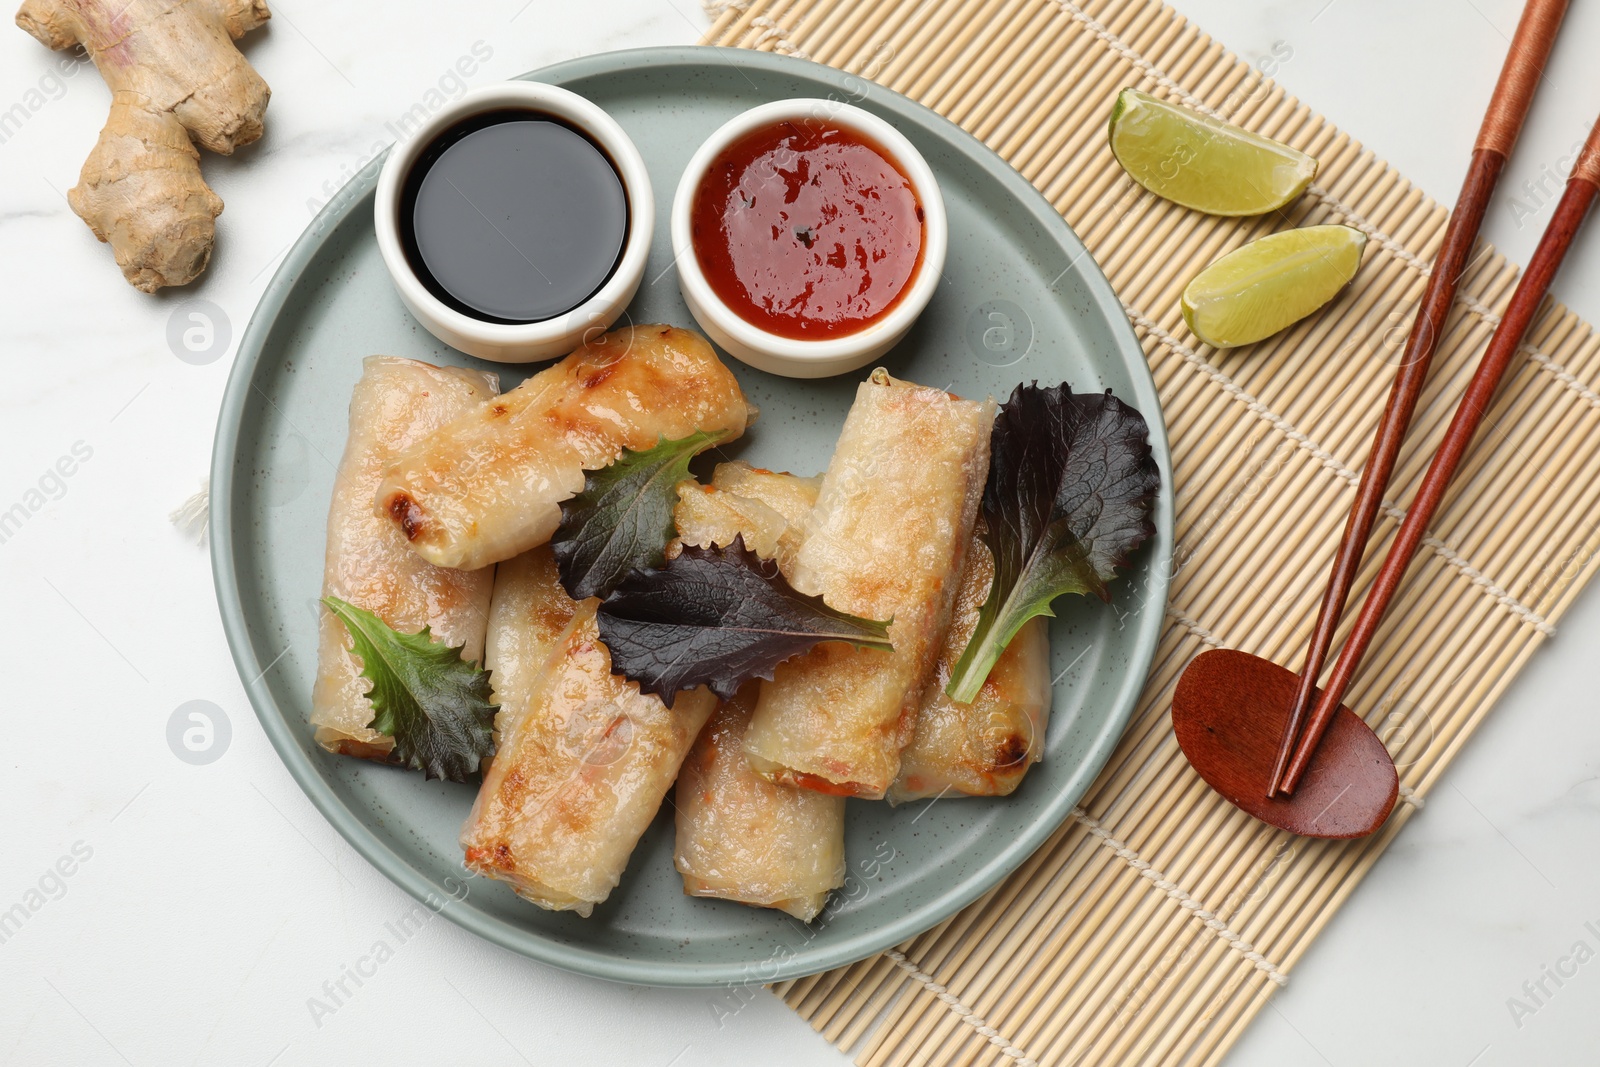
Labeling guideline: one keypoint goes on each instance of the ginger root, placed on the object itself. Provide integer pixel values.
(174, 74)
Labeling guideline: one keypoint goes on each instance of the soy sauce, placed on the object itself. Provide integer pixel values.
(513, 216)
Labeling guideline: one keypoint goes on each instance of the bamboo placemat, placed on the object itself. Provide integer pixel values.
(1156, 922)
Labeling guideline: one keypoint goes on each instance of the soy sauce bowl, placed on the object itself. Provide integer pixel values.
(824, 356)
(484, 334)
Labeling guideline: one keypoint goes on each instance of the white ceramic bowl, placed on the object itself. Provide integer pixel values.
(788, 356)
(548, 338)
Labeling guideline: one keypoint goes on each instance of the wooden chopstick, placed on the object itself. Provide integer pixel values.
(1582, 189)
(1508, 108)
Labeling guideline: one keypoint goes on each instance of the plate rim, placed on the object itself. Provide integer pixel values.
(277, 725)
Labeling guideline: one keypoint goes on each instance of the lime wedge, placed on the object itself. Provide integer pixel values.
(1270, 284)
(1202, 162)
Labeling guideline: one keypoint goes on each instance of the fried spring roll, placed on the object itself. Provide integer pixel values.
(979, 749)
(396, 403)
(584, 759)
(489, 485)
(887, 539)
(741, 837)
(983, 748)
(789, 495)
(767, 507)
(707, 516)
(529, 615)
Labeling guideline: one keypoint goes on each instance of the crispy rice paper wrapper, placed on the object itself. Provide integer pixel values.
(886, 540)
(984, 748)
(396, 404)
(739, 836)
(584, 759)
(979, 749)
(490, 484)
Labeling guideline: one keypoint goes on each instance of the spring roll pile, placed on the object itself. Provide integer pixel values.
(446, 498)
(886, 540)
(979, 749)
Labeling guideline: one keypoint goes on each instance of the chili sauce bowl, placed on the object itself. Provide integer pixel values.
(770, 329)
(502, 228)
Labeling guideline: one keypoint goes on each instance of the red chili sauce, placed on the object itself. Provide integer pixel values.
(807, 230)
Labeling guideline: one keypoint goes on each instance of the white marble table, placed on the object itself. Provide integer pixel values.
(207, 905)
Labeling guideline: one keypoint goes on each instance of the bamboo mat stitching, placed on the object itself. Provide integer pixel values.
(960, 1010)
(1193, 625)
(1400, 251)
(1185, 901)
(1156, 878)
(1563, 375)
(1330, 461)
(770, 30)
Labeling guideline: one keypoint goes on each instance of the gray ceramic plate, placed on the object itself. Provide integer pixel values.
(1021, 300)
